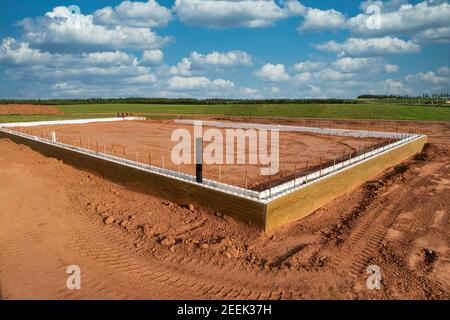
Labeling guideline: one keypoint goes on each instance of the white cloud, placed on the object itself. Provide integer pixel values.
(430, 81)
(332, 75)
(109, 58)
(406, 20)
(142, 79)
(62, 89)
(387, 6)
(348, 64)
(61, 30)
(197, 83)
(392, 86)
(367, 64)
(391, 68)
(319, 20)
(429, 76)
(444, 71)
(20, 53)
(308, 65)
(434, 35)
(344, 77)
(315, 89)
(273, 72)
(235, 13)
(304, 76)
(370, 47)
(275, 90)
(114, 68)
(152, 57)
(134, 14)
(223, 84)
(215, 59)
(232, 58)
(248, 91)
(183, 67)
(425, 22)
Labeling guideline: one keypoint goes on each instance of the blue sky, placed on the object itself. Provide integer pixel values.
(223, 48)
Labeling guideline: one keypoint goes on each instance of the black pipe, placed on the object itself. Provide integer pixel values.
(199, 172)
(199, 160)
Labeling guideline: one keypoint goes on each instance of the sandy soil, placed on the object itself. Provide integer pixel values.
(28, 109)
(53, 215)
(151, 141)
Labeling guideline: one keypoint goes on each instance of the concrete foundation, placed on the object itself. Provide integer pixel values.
(266, 210)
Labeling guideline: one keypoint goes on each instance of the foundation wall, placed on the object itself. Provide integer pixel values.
(178, 191)
(314, 195)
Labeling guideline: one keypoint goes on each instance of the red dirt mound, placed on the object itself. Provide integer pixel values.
(28, 109)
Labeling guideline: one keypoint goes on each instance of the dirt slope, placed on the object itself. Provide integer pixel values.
(52, 216)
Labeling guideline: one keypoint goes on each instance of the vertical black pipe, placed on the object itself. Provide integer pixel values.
(199, 160)
(199, 172)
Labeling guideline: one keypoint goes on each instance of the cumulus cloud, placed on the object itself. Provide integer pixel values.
(424, 22)
(304, 77)
(348, 64)
(275, 90)
(182, 68)
(273, 72)
(391, 68)
(73, 88)
(135, 14)
(248, 91)
(108, 58)
(235, 13)
(61, 30)
(333, 75)
(429, 76)
(387, 6)
(343, 77)
(408, 19)
(232, 58)
(366, 64)
(19, 53)
(152, 57)
(197, 83)
(74, 73)
(319, 20)
(215, 59)
(308, 65)
(444, 71)
(392, 86)
(435, 35)
(370, 47)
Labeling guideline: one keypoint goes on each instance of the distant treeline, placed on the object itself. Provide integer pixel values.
(395, 96)
(174, 101)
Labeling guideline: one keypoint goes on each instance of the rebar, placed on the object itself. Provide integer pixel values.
(295, 172)
(306, 177)
(320, 167)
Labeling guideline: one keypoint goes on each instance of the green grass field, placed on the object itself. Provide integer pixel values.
(335, 111)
